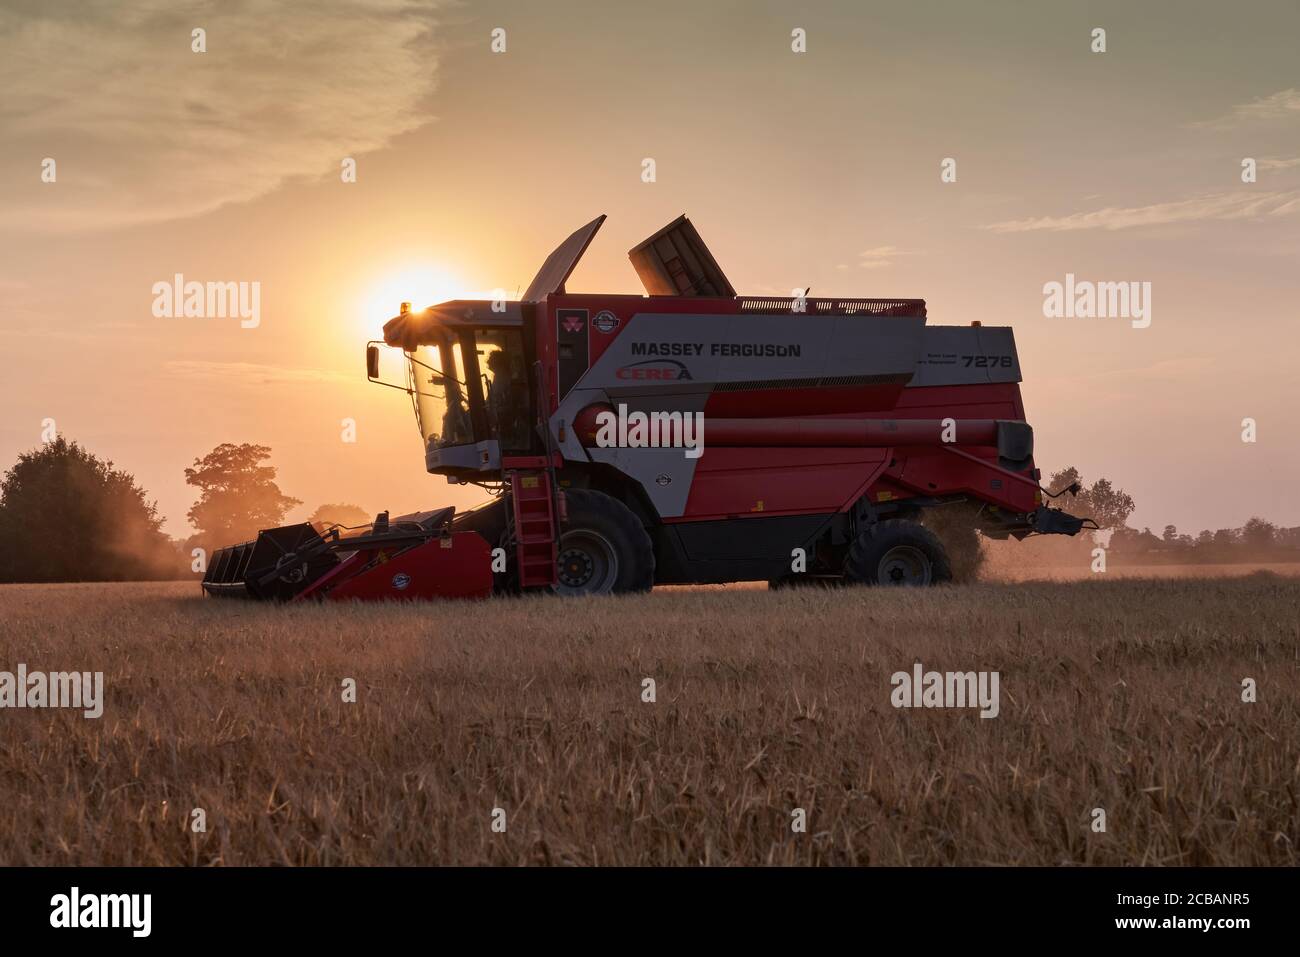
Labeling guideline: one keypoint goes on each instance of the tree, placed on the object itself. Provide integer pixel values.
(345, 515)
(1109, 506)
(66, 515)
(1062, 480)
(1102, 501)
(238, 496)
(1257, 533)
(1171, 534)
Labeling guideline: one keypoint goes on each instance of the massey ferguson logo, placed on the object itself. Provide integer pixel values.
(721, 350)
(655, 370)
(572, 323)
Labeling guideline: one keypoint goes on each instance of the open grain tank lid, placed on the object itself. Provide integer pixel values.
(559, 264)
(675, 262)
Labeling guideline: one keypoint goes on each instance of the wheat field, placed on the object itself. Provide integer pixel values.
(1124, 695)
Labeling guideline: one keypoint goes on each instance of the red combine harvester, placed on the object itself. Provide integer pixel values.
(833, 432)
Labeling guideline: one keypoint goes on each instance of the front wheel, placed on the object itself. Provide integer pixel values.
(897, 553)
(603, 548)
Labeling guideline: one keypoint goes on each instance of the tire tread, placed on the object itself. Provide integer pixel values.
(861, 564)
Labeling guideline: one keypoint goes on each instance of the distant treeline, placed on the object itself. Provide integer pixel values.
(1256, 541)
(67, 515)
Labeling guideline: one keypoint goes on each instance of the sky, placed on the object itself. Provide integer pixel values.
(819, 168)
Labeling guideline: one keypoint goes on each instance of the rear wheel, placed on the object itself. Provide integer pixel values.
(603, 548)
(897, 553)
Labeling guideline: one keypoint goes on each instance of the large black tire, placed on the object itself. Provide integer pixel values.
(603, 547)
(897, 552)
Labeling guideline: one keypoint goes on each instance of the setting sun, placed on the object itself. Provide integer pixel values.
(421, 285)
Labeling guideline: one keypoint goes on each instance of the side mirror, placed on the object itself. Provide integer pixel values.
(372, 368)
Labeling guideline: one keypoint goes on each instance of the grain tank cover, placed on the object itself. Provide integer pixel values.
(559, 264)
(675, 262)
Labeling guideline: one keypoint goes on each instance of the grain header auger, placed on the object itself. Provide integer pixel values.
(833, 429)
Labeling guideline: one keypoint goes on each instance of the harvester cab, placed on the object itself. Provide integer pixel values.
(844, 432)
(477, 369)
(469, 375)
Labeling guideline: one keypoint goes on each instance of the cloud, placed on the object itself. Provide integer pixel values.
(879, 257)
(1244, 204)
(1285, 104)
(142, 129)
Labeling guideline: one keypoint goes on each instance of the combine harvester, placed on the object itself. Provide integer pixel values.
(832, 429)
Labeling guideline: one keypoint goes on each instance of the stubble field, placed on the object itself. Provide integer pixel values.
(1124, 695)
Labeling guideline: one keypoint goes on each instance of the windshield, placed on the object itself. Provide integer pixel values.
(491, 393)
(438, 380)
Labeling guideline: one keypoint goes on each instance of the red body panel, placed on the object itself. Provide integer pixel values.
(733, 482)
(951, 471)
(839, 432)
(992, 401)
(458, 566)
